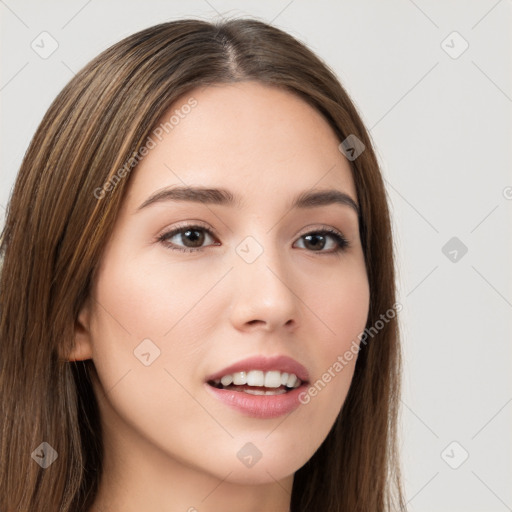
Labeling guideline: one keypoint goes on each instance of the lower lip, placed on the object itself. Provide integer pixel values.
(259, 406)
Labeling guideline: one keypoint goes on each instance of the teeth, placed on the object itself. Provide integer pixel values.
(275, 392)
(226, 380)
(239, 378)
(255, 378)
(292, 379)
(261, 392)
(272, 379)
(254, 391)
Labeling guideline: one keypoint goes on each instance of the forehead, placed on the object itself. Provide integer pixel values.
(260, 141)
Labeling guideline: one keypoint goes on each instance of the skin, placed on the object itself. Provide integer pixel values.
(169, 444)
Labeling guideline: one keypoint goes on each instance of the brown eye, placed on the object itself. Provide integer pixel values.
(316, 241)
(192, 238)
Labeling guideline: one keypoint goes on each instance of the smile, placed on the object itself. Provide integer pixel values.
(257, 382)
(257, 389)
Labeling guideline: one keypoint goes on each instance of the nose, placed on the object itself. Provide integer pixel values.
(264, 297)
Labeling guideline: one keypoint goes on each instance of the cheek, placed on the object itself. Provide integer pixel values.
(151, 318)
(146, 344)
(341, 308)
(152, 297)
(341, 305)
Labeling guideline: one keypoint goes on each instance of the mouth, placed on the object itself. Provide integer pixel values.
(260, 387)
(258, 382)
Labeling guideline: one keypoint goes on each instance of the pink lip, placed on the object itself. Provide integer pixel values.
(261, 406)
(277, 363)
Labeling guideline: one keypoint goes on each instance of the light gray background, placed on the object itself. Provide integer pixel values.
(442, 127)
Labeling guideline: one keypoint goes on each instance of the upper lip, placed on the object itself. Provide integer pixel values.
(277, 363)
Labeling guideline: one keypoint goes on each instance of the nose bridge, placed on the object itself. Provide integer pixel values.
(264, 290)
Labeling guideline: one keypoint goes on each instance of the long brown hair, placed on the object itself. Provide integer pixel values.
(62, 210)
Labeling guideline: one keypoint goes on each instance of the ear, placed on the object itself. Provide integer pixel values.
(82, 348)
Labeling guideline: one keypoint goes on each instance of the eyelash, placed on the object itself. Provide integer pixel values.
(342, 243)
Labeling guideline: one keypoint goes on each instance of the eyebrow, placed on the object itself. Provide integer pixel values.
(223, 197)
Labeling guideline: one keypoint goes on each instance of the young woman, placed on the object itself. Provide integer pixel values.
(197, 294)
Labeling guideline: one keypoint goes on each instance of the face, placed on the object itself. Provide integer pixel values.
(186, 288)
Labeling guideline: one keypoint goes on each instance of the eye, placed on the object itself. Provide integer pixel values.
(192, 236)
(318, 240)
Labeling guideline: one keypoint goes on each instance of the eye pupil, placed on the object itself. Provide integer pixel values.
(314, 245)
(194, 237)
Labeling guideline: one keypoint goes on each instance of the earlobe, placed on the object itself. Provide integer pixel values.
(82, 347)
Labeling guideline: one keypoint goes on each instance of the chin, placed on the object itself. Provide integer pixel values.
(264, 465)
